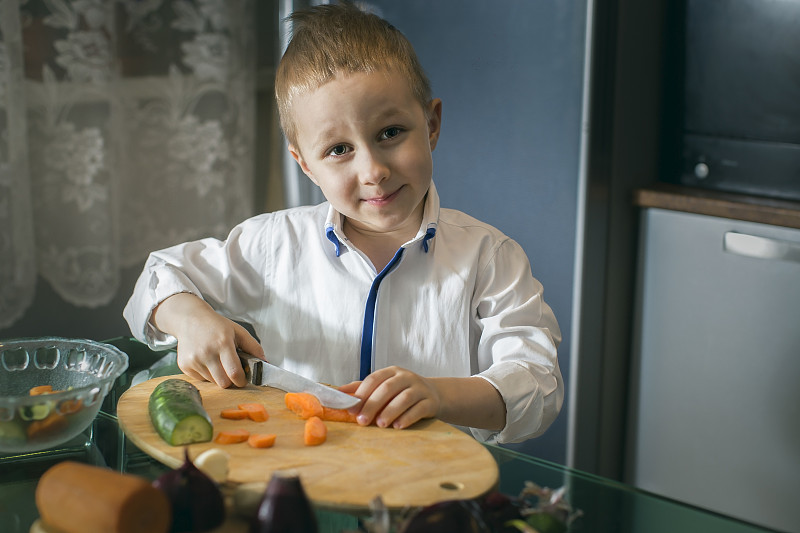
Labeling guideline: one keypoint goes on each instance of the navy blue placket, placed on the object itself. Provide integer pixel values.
(368, 330)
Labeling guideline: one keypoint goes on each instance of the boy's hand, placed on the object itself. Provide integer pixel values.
(394, 396)
(207, 341)
(398, 398)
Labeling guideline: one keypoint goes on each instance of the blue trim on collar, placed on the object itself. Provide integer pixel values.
(430, 234)
(333, 238)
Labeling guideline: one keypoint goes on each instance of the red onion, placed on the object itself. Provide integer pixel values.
(463, 516)
(285, 508)
(196, 501)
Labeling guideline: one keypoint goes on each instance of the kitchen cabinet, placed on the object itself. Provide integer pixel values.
(714, 404)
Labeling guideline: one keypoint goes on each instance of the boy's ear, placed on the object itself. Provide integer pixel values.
(300, 161)
(434, 115)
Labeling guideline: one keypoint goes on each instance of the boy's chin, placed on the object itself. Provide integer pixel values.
(383, 225)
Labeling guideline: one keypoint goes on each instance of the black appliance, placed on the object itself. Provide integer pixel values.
(733, 117)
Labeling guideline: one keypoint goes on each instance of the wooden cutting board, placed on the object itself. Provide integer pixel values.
(429, 462)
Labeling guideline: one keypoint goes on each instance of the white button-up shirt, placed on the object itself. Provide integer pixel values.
(458, 300)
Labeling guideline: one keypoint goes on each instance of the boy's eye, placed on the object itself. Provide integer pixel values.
(339, 149)
(389, 133)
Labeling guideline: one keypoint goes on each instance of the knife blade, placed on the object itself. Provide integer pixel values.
(264, 374)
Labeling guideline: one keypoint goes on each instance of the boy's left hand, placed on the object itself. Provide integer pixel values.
(394, 396)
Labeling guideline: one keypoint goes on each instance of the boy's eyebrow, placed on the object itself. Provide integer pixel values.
(323, 137)
(392, 112)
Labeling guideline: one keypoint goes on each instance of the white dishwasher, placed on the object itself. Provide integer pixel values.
(715, 379)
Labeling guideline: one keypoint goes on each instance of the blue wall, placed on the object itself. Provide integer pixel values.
(510, 75)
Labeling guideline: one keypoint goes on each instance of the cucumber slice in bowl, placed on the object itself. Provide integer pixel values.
(177, 413)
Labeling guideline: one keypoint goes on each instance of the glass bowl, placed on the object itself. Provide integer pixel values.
(78, 372)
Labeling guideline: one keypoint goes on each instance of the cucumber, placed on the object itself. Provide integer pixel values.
(35, 412)
(177, 413)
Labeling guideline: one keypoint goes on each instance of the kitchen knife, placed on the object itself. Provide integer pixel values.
(264, 374)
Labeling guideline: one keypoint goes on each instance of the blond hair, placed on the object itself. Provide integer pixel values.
(329, 40)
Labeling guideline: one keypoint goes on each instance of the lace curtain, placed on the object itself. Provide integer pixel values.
(125, 126)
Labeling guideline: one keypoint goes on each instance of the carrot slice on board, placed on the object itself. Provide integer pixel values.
(234, 414)
(303, 404)
(232, 436)
(315, 431)
(261, 440)
(256, 411)
(337, 415)
(40, 389)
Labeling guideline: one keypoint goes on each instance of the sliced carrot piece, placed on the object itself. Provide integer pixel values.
(232, 436)
(337, 415)
(68, 407)
(234, 414)
(50, 425)
(256, 411)
(303, 404)
(315, 431)
(261, 440)
(40, 389)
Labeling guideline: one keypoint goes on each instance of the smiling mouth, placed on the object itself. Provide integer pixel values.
(382, 200)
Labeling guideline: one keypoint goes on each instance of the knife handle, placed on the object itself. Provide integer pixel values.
(251, 365)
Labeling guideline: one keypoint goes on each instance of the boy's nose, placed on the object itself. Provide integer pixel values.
(372, 169)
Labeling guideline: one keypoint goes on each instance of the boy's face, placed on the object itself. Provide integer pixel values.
(366, 142)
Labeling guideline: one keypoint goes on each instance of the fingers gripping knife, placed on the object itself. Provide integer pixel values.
(264, 374)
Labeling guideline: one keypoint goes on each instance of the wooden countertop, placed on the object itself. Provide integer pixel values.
(720, 204)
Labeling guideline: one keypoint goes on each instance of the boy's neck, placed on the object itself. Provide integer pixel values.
(378, 247)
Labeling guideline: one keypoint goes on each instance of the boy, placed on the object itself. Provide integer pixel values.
(419, 311)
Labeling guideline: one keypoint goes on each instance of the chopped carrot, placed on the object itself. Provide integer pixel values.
(303, 404)
(67, 407)
(234, 414)
(315, 431)
(256, 411)
(40, 389)
(232, 436)
(261, 440)
(337, 415)
(53, 423)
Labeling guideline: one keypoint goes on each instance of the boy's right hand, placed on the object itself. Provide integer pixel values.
(207, 341)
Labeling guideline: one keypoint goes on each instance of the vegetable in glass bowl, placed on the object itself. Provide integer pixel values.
(51, 389)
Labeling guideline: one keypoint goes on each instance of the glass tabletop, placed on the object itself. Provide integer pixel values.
(606, 505)
(610, 506)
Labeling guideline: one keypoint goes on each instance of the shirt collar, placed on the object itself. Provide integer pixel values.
(427, 230)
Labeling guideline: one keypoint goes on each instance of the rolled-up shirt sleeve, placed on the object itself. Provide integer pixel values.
(227, 274)
(517, 350)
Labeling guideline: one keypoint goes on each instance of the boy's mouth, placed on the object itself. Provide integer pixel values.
(383, 199)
